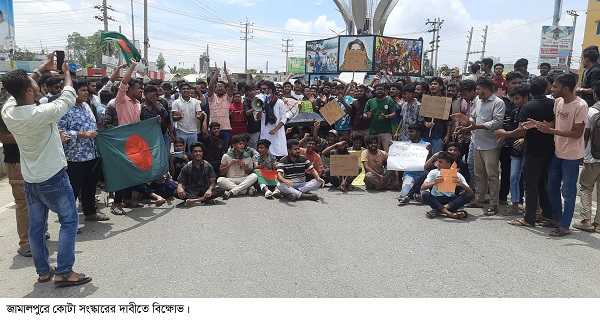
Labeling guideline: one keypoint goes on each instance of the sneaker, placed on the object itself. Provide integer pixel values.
(268, 194)
(312, 197)
(276, 193)
(290, 197)
(251, 191)
(227, 195)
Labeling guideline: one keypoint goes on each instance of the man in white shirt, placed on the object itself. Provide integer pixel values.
(185, 112)
(43, 165)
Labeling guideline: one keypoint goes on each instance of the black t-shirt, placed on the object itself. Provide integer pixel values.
(252, 125)
(589, 78)
(11, 150)
(537, 143)
(178, 164)
(215, 148)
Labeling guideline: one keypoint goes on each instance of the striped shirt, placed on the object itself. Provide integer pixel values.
(295, 171)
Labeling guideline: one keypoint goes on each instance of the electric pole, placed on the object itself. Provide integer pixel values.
(267, 66)
(466, 67)
(436, 25)
(245, 39)
(104, 17)
(146, 43)
(484, 41)
(287, 51)
(574, 15)
(132, 25)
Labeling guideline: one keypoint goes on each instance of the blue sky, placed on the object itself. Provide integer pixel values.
(181, 29)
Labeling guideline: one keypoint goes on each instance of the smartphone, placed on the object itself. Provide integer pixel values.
(60, 59)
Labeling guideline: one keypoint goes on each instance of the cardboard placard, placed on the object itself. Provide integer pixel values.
(448, 185)
(436, 107)
(332, 112)
(407, 156)
(358, 77)
(344, 165)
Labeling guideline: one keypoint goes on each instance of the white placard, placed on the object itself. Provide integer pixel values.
(358, 77)
(407, 156)
(110, 61)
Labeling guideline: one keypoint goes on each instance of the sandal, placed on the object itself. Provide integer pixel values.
(82, 279)
(559, 232)
(581, 226)
(491, 212)
(404, 200)
(118, 211)
(25, 250)
(49, 274)
(519, 222)
(431, 214)
(98, 217)
(461, 214)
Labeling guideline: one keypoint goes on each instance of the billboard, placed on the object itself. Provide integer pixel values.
(397, 55)
(356, 53)
(295, 65)
(555, 46)
(7, 26)
(322, 55)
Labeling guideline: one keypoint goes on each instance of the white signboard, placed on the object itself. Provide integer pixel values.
(357, 77)
(555, 46)
(407, 156)
(110, 61)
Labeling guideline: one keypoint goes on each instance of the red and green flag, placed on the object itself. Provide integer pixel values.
(132, 154)
(267, 177)
(128, 49)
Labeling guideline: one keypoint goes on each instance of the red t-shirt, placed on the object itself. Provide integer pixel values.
(501, 83)
(237, 118)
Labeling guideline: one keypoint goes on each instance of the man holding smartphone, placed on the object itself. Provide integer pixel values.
(47, 184)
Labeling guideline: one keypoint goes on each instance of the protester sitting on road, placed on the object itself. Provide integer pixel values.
(238, 168)
(197, 180)
(374, 160)
(445, 203)
(292, 176)
(342, 183)
(265, 160)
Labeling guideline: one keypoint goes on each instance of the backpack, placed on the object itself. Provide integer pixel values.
(595, 134)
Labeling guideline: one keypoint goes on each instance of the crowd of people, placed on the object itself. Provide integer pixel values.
(513, 136)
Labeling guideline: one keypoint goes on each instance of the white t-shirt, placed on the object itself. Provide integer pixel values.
(588, 158)
(189, 108)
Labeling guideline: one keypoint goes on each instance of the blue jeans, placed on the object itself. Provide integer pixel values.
(189, 138)
(562, 177)
(226, 136)
(454, 203)
(57, 196)
(471, 164)
(436, 144)
(516, 164)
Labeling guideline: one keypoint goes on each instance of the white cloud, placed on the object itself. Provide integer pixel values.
(244, 3)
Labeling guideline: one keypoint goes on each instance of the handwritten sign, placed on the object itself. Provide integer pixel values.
(344, 165)
(358, 77)
(332, 112)
(436, 107)
(407, 156)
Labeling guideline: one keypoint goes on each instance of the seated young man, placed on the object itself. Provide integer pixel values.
(445, 203)
(265, 160)
(342, 183)
(178, 159)
(238, 168)
(461, 165)
(197, 180)
(409, 177)
(291, 174)
(374, 161)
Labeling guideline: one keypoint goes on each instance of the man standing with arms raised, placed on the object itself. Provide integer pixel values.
(219, 101)
(43, 165)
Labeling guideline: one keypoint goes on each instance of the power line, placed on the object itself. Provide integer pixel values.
(287, 51)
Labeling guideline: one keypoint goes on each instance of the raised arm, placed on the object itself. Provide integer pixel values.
(229, 81)
(129, 72)
(213, 82)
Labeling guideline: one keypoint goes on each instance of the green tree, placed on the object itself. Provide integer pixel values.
(86, 51)
(160, 62)
(173, 69)
(185, 72)
(24, 56)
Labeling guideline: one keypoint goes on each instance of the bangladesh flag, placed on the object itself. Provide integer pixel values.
(128, 49)
(267, 177)
(132, 154)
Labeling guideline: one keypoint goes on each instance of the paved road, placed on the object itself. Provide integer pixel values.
(357, 244)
